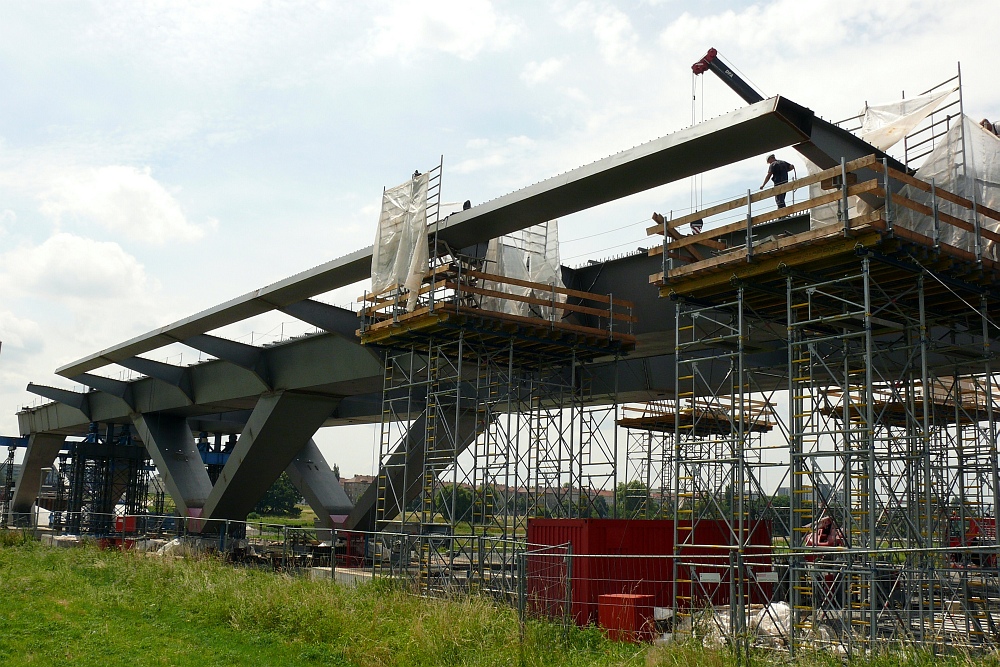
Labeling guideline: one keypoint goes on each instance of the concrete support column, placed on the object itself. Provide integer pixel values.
(171, 445)
(311, 475)
(279, 428)
(41, 453)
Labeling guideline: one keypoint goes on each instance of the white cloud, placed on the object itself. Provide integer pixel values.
(7, 220)
(18, 332)
(495, 154)
(123, 199)
(818, 25)
(78, 270)
(535, 72)
(617, 40)
(461, 28)
(209, 41)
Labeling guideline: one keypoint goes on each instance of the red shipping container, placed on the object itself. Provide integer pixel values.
(125, 524)
(625, 617)
(601, 563)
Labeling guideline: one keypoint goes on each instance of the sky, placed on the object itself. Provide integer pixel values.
(158, 158)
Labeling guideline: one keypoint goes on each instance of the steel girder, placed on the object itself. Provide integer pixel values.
(752, 130)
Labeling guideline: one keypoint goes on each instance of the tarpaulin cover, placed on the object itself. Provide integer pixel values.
(882, 126)
(972, 172)
(826, 214)
(531, 254)
(400, 254)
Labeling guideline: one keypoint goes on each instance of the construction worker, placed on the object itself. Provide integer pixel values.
(992, 128)
(777, 171)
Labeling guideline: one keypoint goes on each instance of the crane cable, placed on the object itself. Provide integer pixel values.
(697, 180)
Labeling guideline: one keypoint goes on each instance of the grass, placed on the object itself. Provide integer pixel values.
(307, 519)
(85, 606)
(90, 607)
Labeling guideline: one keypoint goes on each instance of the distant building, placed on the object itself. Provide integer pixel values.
(356, 486)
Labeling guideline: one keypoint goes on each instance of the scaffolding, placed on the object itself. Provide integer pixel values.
(850, 366)
(816, 338)
(108, 476)
(7, 492)
(490, 415)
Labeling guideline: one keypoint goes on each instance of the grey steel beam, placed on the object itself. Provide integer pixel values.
(743, 133)
(322, 363)
(326, 317)
(116, 388)
(279, 427)
(245, 356)
(828, 144)
(312, 476)
(171, 445)
(73, 399)
(175, 376)
(362, 517)
(345, 270)
(746, 132)
(41, 453)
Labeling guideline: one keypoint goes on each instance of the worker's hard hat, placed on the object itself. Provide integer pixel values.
(771, 157)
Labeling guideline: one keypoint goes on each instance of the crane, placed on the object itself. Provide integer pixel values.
(828, 143)
(713, 62)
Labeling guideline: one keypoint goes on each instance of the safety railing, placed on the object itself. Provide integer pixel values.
(461, 288)
(887, 199)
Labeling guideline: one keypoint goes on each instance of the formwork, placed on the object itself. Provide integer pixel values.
(869, 347)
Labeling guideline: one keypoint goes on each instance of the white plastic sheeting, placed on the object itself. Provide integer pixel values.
(972, 172)
(531, 254)
(773, 624)
(884, 125)
(400, 255)
(826, 214)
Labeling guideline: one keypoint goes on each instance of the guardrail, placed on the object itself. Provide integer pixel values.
(906, 206)
(459, 288)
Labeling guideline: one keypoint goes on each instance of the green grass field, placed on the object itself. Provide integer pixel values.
(89, 607)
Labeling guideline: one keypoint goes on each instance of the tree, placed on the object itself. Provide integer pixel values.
(336, 471)
(592, 507)
(280, 499)
(631, 499)
(464, 499)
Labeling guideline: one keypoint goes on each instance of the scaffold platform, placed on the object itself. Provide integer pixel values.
(831, 250)
(539, 320)
(701, 420)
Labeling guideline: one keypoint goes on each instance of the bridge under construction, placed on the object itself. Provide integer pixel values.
(801, 399)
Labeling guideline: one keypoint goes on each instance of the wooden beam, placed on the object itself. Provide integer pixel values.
(589, 296)
(940, 192)
(853, 165)
(867, 186)
(836, 246)
(573, 308)
(422, 318)
(944, 217)
(872, 186)
(736, 257)
(439, 269)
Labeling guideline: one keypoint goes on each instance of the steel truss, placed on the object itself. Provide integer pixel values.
(7, 491)
(107, 476)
